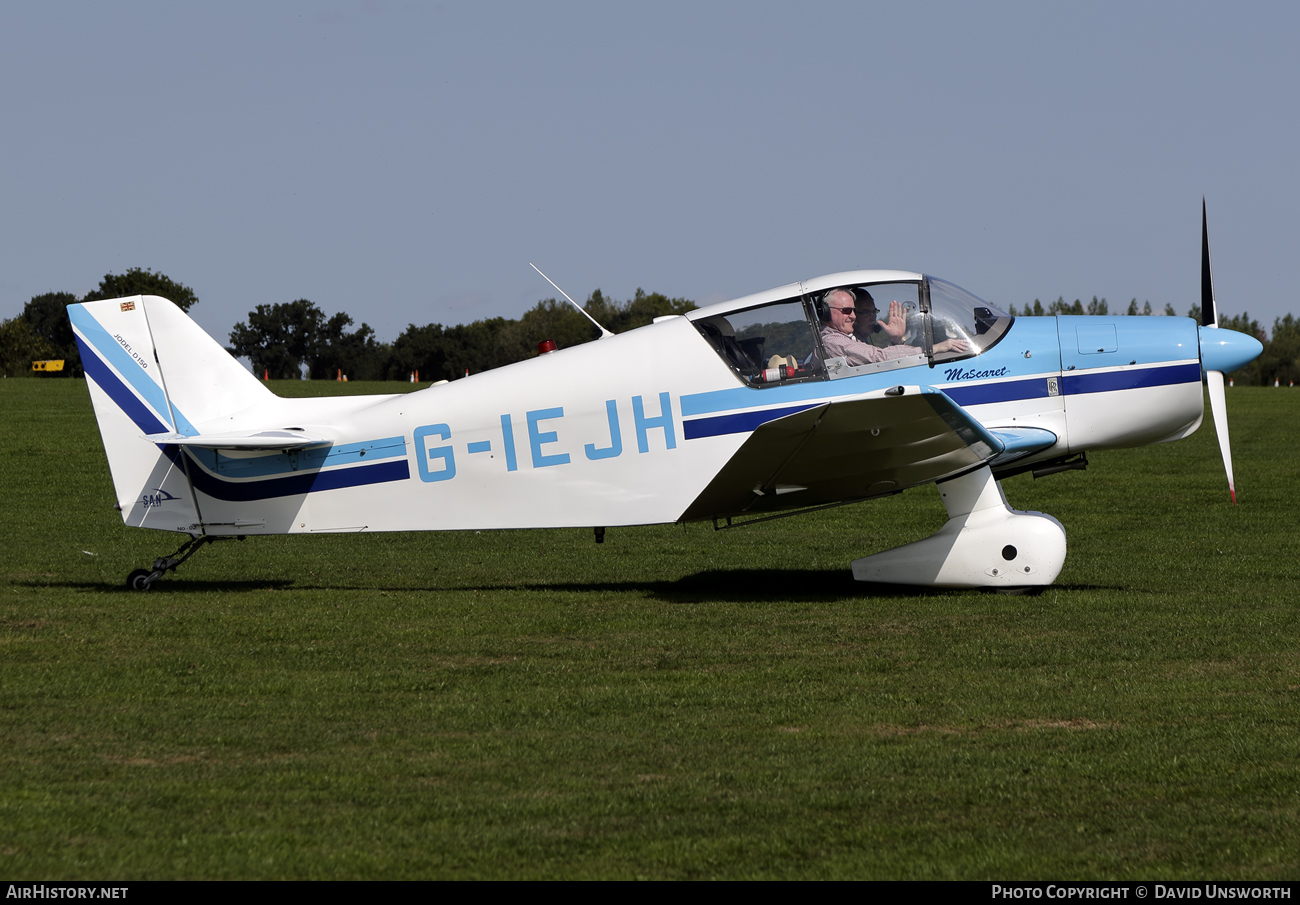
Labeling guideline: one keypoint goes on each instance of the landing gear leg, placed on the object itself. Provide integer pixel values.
(143, 579)
(984, 544)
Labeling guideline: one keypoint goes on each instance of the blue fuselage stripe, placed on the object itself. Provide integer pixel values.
(750, 397)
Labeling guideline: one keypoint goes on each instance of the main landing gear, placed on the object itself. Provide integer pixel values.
(984, 544)
(143, 579)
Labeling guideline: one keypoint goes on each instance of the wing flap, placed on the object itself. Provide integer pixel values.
(848, 449)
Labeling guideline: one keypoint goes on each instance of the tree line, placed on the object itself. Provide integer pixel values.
(292, 339)
(286, 340)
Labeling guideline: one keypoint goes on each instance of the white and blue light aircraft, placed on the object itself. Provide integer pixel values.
(737, 411)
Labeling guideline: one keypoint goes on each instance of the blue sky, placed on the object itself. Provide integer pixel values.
(403, 162)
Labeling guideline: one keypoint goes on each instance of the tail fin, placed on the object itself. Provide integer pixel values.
(152, 370)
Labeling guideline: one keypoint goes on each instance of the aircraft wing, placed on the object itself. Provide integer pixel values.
(284, 438)
(856, 448)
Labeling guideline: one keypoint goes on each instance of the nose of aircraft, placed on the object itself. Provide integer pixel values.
(1227, 350)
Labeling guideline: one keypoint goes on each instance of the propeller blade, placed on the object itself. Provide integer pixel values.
(1214, 379)
(1219, 408)
(1209, 315)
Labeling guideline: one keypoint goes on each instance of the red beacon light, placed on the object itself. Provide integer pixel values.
(546, 347)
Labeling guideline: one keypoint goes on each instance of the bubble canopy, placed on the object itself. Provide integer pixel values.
(844, 324)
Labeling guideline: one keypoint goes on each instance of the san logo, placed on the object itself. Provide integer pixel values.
(155, 499)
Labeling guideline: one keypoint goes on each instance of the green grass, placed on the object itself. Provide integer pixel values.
(676, 703)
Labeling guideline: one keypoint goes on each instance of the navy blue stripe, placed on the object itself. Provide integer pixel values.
(735, 424)
(1078, 384)
(1074, 384)
(986, 393)
(296, 485)
(126, 400)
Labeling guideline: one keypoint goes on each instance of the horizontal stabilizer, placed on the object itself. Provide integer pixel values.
(283, 438)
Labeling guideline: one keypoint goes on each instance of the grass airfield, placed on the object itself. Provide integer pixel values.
(675, 703)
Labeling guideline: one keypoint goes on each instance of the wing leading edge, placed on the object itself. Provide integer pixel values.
(854, 449)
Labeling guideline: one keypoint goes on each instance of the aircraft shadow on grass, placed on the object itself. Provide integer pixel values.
(714, 585)
(236, 586)
(760, 585)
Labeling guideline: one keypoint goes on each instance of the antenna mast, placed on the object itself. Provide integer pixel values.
(603, 331)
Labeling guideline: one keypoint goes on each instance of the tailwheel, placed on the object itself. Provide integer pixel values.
(143, 579)
(139, 580)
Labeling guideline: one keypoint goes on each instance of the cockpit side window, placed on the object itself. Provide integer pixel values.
(768, 345)
(867, 328)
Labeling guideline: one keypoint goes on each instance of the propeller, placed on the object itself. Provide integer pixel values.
(1214, 379)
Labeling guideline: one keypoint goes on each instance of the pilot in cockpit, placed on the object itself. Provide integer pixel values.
(868, 327)
(838, 310)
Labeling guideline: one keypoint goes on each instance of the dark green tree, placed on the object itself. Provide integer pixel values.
(638, 311)
(47, 315)
(475, 347)
(20, 345)
(1280, 360)
(548, 319)
(137, 281)
(333, 350)
(445, 353)
(278, 339)
(419, 349)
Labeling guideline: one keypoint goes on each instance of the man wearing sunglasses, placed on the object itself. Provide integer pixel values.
(839, 314)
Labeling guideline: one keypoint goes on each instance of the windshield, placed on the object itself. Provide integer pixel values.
(956, 314)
